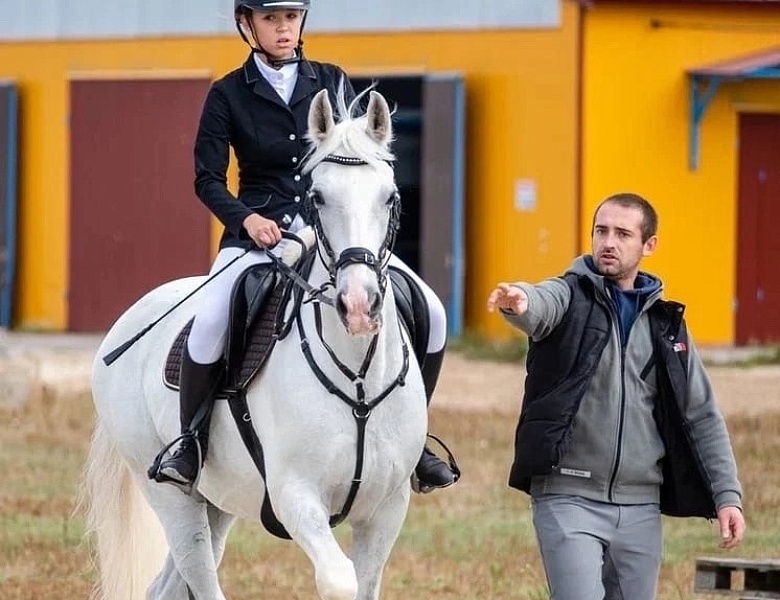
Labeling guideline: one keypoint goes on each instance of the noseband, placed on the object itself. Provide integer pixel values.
(356, 254)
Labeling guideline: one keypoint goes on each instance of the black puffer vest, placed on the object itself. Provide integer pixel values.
(559, 370)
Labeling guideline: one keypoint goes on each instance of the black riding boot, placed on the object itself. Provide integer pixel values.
(433, 472)
(198, 385)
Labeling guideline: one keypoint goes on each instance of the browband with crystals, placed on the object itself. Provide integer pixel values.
(344, 160)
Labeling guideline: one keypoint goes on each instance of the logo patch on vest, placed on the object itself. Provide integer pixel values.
(575, 473)
(680, 347)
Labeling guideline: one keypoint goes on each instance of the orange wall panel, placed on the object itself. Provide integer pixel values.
(636, 127)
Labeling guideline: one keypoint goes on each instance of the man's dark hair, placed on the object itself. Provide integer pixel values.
(629, 200)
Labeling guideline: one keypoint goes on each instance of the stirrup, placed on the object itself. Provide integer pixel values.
(154, 472)
(421, 488)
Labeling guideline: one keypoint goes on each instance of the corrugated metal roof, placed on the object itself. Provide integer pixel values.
(98, 19)
(741, 66)
(680, 1)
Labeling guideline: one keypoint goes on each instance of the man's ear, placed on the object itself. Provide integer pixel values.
(649, 246)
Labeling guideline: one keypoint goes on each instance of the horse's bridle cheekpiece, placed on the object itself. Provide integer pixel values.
(356, 254)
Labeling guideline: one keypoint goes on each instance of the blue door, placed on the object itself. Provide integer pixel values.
(8, 200)
(442, 186)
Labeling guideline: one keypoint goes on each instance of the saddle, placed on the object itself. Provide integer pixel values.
(255, 317)
(258, 318)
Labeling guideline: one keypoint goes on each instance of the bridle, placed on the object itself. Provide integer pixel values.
(360, 405)
(356, 254)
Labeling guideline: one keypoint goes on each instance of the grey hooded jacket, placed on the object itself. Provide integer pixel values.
(615, 450)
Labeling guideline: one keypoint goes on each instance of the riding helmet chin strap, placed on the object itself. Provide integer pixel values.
(272, 62)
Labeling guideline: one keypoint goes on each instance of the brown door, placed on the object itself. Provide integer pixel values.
(134, 219)
(758, 242)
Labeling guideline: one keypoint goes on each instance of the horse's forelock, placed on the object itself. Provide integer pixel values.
(349, 137)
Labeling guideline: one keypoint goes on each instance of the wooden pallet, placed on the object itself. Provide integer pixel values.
(748, 579)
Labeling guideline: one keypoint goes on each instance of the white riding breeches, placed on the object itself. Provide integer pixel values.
(208, 335)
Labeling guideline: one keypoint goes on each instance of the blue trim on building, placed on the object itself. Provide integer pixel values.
(455, 320)
(703, 87)
(9, 275)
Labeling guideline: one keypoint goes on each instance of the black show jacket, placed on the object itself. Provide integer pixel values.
(242, 110)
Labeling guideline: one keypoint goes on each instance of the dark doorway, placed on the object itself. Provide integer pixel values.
(429, 129)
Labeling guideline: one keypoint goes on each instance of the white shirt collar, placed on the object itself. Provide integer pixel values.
(282, 80)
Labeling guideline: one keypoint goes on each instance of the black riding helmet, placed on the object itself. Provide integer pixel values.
(244, 6)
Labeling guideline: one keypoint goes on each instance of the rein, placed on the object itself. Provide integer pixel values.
(315, 294)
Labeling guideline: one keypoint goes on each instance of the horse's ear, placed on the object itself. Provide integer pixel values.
(320, 117)
(379, 124)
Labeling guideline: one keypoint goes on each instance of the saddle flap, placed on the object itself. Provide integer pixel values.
(412, 310)
(249, 297)
(252, 332)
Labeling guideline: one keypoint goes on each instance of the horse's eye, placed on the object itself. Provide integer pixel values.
(316, 198)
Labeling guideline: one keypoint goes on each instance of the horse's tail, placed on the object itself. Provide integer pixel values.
(130, 544)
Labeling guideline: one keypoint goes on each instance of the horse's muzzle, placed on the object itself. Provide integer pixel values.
(361, 314)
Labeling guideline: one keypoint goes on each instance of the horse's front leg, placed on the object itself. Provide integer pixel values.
(373, 540)
(301, 511)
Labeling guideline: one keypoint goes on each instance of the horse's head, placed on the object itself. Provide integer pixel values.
(354, 204)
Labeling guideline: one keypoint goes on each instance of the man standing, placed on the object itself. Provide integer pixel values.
(619, 424)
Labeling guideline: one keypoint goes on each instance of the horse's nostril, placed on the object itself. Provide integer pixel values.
(376, 303)
(341, 305)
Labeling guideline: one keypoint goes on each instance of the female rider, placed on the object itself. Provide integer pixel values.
(261, 111)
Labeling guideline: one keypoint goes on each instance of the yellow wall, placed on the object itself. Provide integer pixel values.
(636, 115)
(521, 91)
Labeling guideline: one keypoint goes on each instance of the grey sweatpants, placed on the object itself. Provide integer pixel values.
(598, 551)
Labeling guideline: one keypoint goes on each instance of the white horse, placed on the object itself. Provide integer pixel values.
(156, 542)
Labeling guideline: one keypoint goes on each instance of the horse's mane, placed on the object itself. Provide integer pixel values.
(349, 137)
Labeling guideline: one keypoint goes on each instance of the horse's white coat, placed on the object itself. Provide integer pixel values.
(308, 435)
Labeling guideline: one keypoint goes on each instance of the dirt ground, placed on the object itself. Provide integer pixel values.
(59, 366)
(481, 385)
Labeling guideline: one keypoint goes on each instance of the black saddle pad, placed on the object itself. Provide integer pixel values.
(259, 342)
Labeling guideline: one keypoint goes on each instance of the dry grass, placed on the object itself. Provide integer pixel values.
(474, 541)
